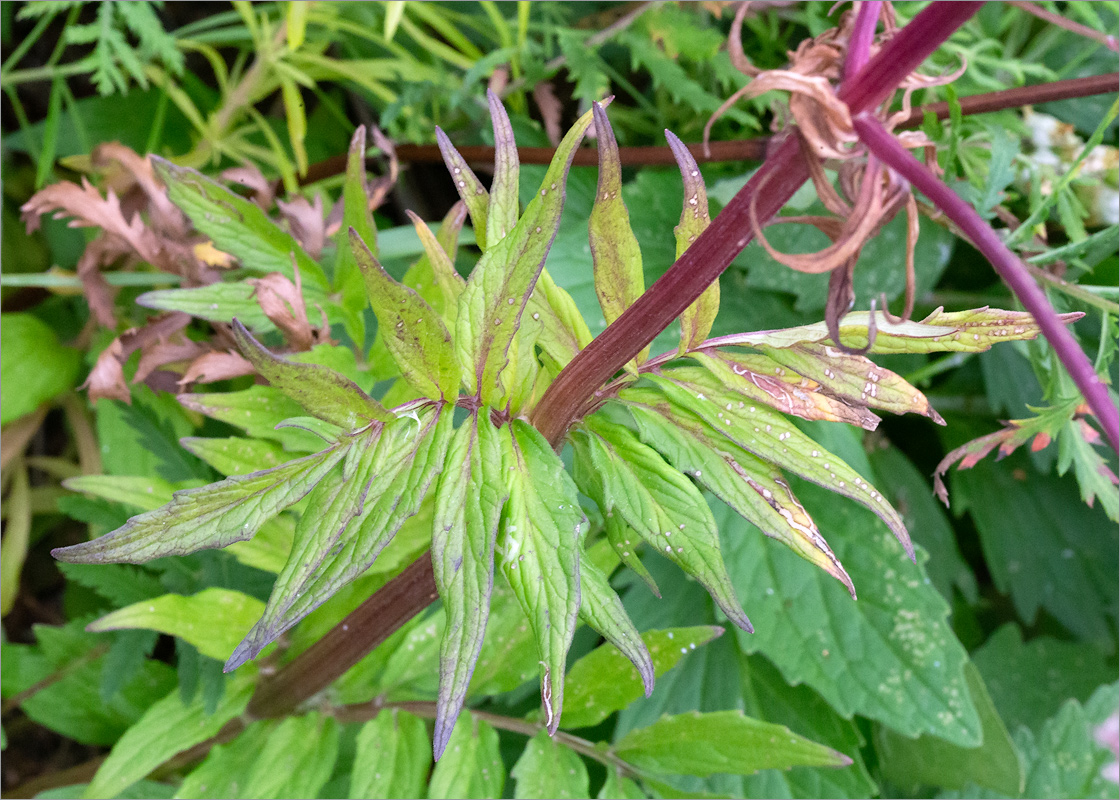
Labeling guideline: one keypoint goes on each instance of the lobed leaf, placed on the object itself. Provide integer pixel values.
(854, 379)
(615, 253)
(602, 683)
(498, 290)
(392, 758)
(538, 541)
(721, 741)
(469, 500)
(356, 214)
(765, 380)
(235, 455)
(237, 226)
(502, 213)
(548, 769)
(663, 507)
(447, 282)
(414, 333)
(774, 439)
(697, 319)
(350, 519)
(213, 620)
(324, 393)
(256, 410)
(211, 516)
(564, 332)
(755, 489)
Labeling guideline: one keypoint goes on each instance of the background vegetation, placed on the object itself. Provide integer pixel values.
(983, 669)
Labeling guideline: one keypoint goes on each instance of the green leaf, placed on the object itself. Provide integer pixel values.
(755, 489)
(213, 620)
(35, 368)
(356, 214)
(447, 282)
(697, 319)
(237, 226)
(167, 728)
(324, 393)
(502, 213)
(469, 500)
(1062, 758)
(470, 189)
(509, 654)
(615, 253)
(224, 770)
(890, 656)
(393, 757)
(618, 785)
(63, 674)
(144, 493)
(539, 545)
(547, 769)
(854, 379)
(930, 761)
(772, 438)
(761, 379)
(1043, 545)
(1028, 682)
(471, 766)
(971, 331)
(601, 608)
(563, 330)
(663, 507)
(210, 516)
(235, 455)
(257, 411)
(296, 759)
(498, 290)
(222, 302)
(911, 493)
(721, 741)
(413, 332)
(350, 518)
(120, 584)
(603, 681)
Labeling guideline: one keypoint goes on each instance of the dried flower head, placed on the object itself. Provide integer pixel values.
(865, 196)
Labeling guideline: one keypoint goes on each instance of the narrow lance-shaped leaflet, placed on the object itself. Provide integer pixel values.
(697, 319)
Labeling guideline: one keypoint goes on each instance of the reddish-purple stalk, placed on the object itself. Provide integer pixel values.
(782, 174)
(863, 33)
(1007, 265)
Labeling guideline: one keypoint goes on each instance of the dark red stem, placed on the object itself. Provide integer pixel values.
(1006, 263)
(730, 231)
(863, 33)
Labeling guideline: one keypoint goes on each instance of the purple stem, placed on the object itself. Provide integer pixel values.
(859, 45)
(707, 257)
(1007, 265)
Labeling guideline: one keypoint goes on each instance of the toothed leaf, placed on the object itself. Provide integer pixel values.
(413, 332)
(603, 681)
(211, 516)
(538, 542)
(492, 303)
(774, 439)
(324, 393)
(755, 489)
(469, 501)
(663, 507)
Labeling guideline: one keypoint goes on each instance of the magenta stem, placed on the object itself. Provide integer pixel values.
(863, 32)
(702, 264)
(1006, 264)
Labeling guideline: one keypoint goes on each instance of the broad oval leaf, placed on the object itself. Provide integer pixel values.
(392, 758)
(414, 333)
(323, 392)
(548, 769)
(471, 766)
(721, 741)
